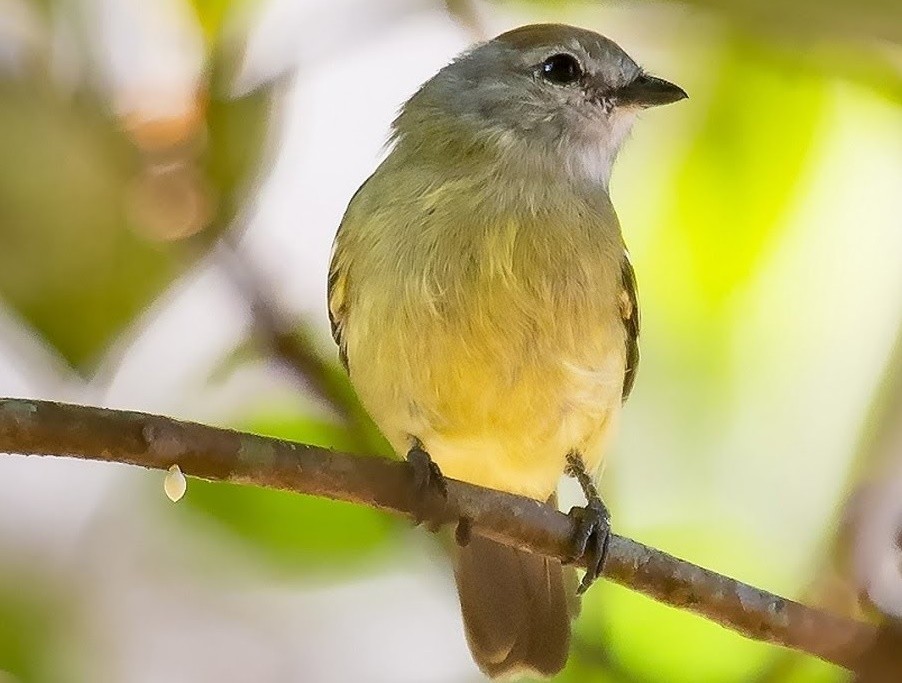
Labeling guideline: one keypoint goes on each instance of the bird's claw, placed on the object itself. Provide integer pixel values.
(592, 539)
(428, 482)
(463, 532)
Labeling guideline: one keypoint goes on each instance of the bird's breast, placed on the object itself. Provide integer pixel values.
(497, 345)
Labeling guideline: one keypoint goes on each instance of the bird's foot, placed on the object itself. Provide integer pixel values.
(592, 539)
(463, 532)
(429, 485)
(593, 525)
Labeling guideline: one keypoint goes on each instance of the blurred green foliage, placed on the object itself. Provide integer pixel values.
(298, 533)
(72, 264)
(805, 20)
(212, 15)
(722, 215)
(99, 214)
(740, 176)
(236, 136)
(32, 626)
(648, 638)
(84, 213)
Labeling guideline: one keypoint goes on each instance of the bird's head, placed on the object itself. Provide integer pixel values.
(567, 94)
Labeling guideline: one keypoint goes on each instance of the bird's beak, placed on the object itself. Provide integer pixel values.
(648, 91)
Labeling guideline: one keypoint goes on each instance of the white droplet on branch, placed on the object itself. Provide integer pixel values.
(175, 484)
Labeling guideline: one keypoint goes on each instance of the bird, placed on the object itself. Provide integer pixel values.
(485, 307)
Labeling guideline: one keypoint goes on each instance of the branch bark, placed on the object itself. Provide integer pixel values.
(44, 428)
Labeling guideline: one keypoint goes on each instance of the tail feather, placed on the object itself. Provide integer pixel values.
(515, 608)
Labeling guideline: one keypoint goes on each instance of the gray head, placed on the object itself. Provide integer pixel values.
(558, 91)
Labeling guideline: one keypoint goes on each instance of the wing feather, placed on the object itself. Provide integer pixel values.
(629, 313)
(337, 300)
(337, 293)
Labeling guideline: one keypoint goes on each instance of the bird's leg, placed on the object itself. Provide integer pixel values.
(428, 482)
(593, 524)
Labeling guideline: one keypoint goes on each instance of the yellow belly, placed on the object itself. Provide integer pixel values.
(498, 392)
(485, 325)
(519, 447)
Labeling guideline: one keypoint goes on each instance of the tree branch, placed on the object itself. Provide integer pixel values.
(43, 428)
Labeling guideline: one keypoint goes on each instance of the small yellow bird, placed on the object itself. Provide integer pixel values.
(484, 305)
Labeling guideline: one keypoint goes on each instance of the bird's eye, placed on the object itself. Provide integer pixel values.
(562, 68)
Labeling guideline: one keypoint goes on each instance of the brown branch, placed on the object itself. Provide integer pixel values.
(44, 428)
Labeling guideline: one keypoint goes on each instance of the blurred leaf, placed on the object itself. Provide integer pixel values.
(89, 215)
(214, 15)
(246, 353)
(290, 530)
(71, 264)
(815, 20)
(810, 20)
(810, 670)
(236, 139)
(29, 629)
(662, 643)
(44, 6)
(732, 195)
(658, 642)
(300, 428)
(366, 439)
(211, 14)
(876, 70)
(593, 661)
(742, 173)
(580, 670)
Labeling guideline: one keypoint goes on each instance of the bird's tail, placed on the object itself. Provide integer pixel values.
(515, 608)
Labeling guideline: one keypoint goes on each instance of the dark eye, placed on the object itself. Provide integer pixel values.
(562, 68)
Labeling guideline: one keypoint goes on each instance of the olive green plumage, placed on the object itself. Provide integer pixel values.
(483, 302)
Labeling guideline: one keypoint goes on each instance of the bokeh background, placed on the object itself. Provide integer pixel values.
(171, 176)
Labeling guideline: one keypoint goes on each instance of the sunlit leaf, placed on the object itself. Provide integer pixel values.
(810, 670)
(303, 429)
(213, 15)
(662, 643)
(741, 176)
(726, 208)
(587, 663)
